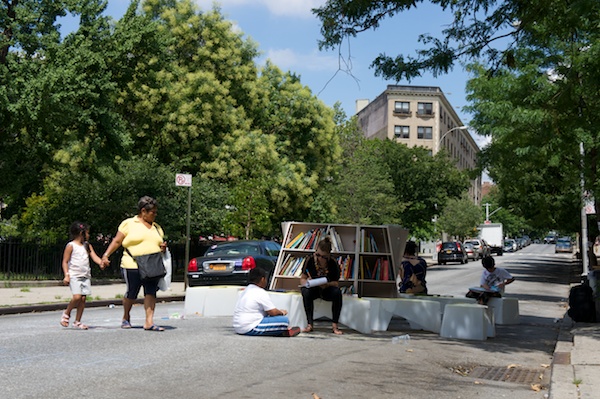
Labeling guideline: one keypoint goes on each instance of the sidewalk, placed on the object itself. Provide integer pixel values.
(50, 295)
(575, 365)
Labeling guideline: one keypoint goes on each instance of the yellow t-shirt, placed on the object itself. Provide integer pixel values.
(139, 240)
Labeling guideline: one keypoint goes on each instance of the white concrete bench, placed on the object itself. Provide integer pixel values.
(355, 313)
(221, 300)
(292, 302)
(468, 321)
(421, 314)
(506, 310)
(218, 300)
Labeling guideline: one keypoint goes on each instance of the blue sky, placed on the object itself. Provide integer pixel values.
(287, 33)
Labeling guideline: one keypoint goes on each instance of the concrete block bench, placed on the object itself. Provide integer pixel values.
(421, 314)
(218, 300)
(506, 310)
(355, 314)
(467, 321)
(292, 302)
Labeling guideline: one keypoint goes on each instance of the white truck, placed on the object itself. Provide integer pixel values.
(493, 234)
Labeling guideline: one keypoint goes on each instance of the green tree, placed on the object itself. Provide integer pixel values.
(539, 120)
(460, 218)
(56, 109)
(534, 153)
(188, 81)
(364, 192)
(422, 184)
(489, 30)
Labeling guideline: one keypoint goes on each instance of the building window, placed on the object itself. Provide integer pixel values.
(402, 107)
(401, 132)
(424, 132)
(425, 109)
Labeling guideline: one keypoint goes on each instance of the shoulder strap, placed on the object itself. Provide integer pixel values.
(126, 250)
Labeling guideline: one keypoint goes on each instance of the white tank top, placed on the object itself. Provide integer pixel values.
(79, 264)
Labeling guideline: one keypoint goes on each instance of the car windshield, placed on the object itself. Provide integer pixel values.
(448, 245)
(564, 239)
(233, 249)
(468, 245)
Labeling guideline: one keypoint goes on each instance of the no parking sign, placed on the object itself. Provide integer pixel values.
(183, 180)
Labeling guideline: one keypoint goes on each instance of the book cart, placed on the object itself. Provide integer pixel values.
(368, 256)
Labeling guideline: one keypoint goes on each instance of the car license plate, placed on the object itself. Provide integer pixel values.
(448, 251)
(218, 267)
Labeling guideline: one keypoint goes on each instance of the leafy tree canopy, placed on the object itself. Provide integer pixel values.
(489, 30)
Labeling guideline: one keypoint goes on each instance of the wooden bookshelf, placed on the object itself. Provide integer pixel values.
(368, 256)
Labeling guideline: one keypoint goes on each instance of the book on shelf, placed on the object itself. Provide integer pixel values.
(298, 267)
(284, 264)
(338, 241)
(295, 240)
(315, 238)
(345, 264)
(385, 275)
(373, 244)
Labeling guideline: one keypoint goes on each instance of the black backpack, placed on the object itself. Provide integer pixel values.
(581, 304)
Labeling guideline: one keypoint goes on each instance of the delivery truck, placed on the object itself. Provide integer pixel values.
(493, 234)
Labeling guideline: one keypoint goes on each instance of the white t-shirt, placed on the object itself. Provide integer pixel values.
(495, 278)
(251, 308)
(79, 264)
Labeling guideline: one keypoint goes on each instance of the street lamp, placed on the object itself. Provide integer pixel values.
(447, 133)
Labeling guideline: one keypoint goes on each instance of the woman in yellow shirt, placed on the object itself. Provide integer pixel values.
(140, 235)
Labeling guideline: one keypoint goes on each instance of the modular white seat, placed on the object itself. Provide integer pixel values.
(355, 313)
(218, 300)
(446, 300)
(467, 321)
(292, 302)
(506, 310)
(421, 314)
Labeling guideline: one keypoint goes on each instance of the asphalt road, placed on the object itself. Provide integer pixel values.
(202, 357)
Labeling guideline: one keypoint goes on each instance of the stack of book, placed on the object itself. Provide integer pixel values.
(381, 270)
(346, 264)
(308, 240)
(292, 266)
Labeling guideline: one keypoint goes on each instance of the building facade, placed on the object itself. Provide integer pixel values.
(421, 116)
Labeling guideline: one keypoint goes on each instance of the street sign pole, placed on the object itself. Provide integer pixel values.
(187, 237)
(186, 181)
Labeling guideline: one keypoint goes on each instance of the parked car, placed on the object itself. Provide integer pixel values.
(481, 247)
(471, 252)
(452, 251)
(563, 244)
(230, 262)
(550, 239)
(510, 245)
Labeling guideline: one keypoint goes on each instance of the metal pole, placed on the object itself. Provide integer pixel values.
(584, 227)
(187, 237)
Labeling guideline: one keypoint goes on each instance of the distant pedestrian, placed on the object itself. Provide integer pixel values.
(76, 267)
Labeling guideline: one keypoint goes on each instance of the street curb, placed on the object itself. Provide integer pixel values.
(91, 304)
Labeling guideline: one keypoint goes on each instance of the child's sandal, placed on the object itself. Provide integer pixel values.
(64, 321)
(80, 325)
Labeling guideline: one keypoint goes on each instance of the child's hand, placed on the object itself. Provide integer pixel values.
(66, 280)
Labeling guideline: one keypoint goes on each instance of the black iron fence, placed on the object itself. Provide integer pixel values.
(21, 260)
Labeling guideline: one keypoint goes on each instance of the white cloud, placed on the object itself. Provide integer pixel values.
(288, 59)
(298, 8)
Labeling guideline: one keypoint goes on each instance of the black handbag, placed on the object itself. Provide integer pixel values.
(150, 266)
